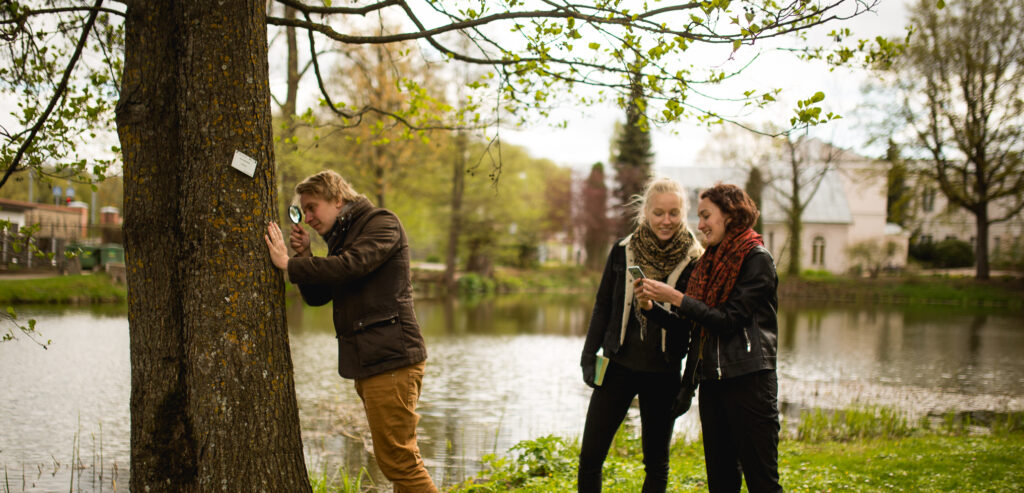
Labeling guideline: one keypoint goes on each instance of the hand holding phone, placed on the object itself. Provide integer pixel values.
(638, 274)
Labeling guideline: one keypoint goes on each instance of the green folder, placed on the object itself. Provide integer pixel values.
(600, 367)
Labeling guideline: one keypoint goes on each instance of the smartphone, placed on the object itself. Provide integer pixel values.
(636, 272)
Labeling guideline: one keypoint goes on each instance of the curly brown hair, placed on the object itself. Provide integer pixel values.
(735, 204)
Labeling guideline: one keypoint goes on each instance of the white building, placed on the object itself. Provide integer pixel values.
(935, 219)
(848, 208)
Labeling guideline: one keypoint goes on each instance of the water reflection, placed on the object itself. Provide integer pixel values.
(66, 401)
(500, 371)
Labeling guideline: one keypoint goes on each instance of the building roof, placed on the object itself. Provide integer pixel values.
(828, 206)
(18, 205)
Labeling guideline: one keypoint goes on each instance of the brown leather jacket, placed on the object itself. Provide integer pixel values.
(366, 274)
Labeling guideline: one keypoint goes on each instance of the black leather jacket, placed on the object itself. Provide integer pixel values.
(742, 333)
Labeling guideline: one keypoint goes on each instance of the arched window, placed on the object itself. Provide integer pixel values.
(818, 251)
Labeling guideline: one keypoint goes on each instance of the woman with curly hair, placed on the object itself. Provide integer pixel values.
(729, 307)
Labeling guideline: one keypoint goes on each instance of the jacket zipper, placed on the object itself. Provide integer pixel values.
(718, 354)
(718, 351)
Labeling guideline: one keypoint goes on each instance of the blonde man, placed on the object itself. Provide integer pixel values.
(366, 276)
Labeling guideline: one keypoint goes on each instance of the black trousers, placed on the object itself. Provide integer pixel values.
(740, 423)
(608, 407)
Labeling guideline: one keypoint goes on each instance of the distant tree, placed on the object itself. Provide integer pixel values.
(962, 84)
(633, 155)
(597, 229)
(389, 77)
(872, 255)
(458, 189)
(559, 202)
(898, 192)
(755, 152)
(755, 189)
(807, 163)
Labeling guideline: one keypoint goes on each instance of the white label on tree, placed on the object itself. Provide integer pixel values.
(244, 163)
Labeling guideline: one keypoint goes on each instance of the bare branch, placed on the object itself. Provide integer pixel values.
(310, 9)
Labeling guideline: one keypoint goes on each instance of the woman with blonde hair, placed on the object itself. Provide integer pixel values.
(643, 359)
(729, 306)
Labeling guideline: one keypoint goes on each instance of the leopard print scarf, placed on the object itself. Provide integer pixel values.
(657, 258)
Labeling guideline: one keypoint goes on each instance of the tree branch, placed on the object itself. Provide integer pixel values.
(310, 9)
(57, 95)
(20, 19)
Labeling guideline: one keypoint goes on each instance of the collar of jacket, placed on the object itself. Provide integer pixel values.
(346, 216)
(692, 254)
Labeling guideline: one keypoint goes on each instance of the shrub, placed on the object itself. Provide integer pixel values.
(852, 424)
(473, 283)
(922, 251)
(952, 252)
(812, 274)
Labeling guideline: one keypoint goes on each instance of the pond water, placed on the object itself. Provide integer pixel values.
(501, 370)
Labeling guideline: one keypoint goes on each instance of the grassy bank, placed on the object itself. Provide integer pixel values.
(910, 290)
(544, 279)
(72, 289)
(817, 288)
(858, 451)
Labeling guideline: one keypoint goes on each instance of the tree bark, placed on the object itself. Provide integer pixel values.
(213, 401)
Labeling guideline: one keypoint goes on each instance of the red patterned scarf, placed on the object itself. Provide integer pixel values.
(716, 271)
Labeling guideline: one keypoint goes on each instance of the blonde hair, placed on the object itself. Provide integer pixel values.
(655, 186)
(327, 185)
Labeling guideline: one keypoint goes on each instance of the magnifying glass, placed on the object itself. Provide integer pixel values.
(295, 214)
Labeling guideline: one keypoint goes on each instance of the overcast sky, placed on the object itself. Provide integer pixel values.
(586, 138)
(589, 130)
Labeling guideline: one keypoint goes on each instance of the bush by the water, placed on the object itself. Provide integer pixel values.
(947, 254)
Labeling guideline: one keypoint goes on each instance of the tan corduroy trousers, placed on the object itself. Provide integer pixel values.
(390, 402)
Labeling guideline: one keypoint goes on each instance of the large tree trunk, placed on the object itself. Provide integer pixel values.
(213, 401)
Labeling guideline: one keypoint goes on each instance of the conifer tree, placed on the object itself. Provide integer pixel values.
(633, 156)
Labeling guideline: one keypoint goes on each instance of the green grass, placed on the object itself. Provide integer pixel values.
(89, 288)
(857, 450)
(920, 464)
(340, 481)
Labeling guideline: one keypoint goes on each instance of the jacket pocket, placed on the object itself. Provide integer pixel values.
(379, 338)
